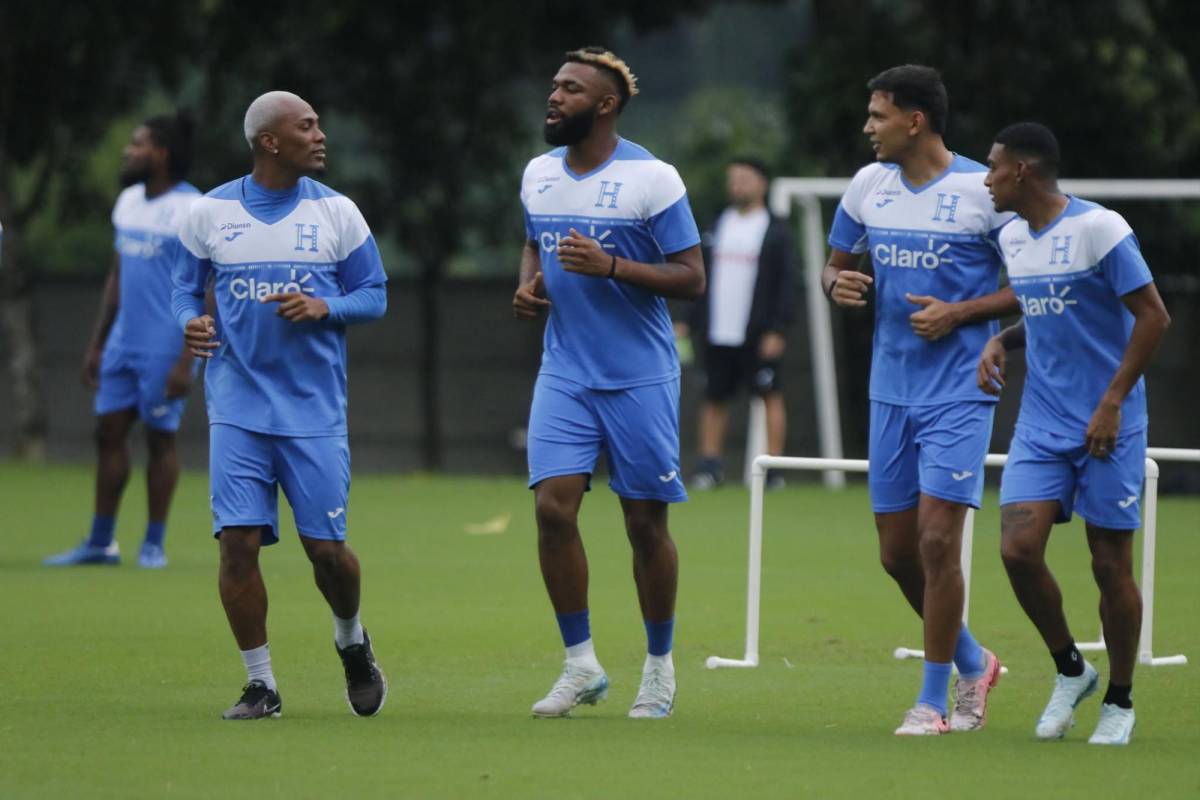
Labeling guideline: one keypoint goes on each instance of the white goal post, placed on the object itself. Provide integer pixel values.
(750, 657)
(807, 194)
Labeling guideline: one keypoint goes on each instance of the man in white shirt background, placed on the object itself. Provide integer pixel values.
(741, 320)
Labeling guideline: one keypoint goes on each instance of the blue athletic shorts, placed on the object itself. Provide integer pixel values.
(1105, 491)
(935, 450)
(637, 429)
(246, 469)
(138, 380)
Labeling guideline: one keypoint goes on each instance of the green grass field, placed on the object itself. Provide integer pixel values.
(113, 679)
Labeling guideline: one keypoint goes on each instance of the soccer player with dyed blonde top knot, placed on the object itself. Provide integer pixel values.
(609, 235)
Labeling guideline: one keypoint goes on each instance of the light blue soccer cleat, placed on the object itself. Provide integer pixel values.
(656, 697)
(1059, 715)
(152, 556)
(577, 685)
(1115, 726)
(86, 554)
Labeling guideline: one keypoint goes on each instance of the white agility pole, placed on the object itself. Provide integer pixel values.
(754, 575)
(756, 436)
(808, 193)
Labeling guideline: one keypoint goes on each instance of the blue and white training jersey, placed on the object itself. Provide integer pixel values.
(936, 240)
(1069, 278)
(147, 245)
(270, 375)
(606, 334)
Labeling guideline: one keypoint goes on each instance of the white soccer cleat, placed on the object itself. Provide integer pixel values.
(656, 697)
(577, 684)
(971, 696)
(1059, 715)
(1115, 726)
(923, 720)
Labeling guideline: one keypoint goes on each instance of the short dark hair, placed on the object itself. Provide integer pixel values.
(1033, 140)
(607, 62)
(913, 86)
(753, 163)
(176, 134)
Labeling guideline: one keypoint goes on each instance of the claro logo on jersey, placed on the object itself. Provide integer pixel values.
(256, 289)
(1055, 303)
(549, 241)
(894, 255)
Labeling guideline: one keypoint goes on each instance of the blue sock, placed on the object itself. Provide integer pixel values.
(102, 531)
(574, 627)
(933, 688)
(155, 531)
(968, 655)
(659, 636)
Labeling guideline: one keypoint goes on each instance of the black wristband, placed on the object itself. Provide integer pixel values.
(612, 271)
(829, 289)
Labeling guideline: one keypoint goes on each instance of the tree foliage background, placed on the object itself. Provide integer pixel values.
(433, 108)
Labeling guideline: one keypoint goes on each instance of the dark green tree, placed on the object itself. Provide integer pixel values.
(446, 98)
(66, 71)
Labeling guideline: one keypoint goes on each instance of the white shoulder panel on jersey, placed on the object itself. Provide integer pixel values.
(861, 186)
(1106, 229)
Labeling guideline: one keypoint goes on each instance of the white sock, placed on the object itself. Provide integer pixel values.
(665, 662)
(583, 655)
(347, 631)
(258, 665)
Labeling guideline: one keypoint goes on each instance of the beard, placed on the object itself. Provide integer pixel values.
(570, 130)
(130, 175)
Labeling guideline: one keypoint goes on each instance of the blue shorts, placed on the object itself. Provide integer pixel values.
(247, 468)
(934, 450)
(637, 429)
(1106, 491)
(139, 380)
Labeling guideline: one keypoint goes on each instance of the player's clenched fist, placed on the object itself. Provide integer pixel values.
(989, 374)
(199, 335)
(849, 289)
(530, 300)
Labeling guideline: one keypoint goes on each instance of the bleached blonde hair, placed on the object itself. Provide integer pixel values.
(609, 62)
(264, 111)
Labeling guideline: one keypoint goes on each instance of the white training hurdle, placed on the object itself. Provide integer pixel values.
(754, 577)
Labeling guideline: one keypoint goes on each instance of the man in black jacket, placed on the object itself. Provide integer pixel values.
(748, 305)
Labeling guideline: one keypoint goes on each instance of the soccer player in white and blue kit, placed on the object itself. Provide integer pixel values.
(924, 216)
(136, 360)
(291, 262)
(609, 235)
(1091, 320)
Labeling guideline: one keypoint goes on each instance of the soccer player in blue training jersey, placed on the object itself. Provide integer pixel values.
(136, 360)
(1091, 320)
(609, 235)
(924, 216)
(292, 263)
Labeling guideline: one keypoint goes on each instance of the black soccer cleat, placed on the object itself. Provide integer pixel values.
(257, 702)
(366, 685)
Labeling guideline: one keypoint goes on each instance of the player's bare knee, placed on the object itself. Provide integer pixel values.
(556, 517)
(108, 436)
(324, 554)
(900, 565)
(939, 549)
(160, 444)
(1020, 555)
(239, 552)
(1112, 574)
(646, 535)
